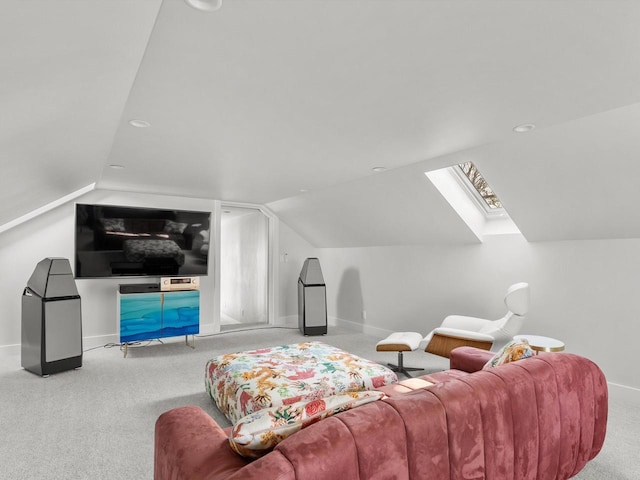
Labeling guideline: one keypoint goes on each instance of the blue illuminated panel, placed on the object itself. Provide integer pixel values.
(146, 316)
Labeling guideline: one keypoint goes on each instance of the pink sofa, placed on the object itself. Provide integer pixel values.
(539, 418)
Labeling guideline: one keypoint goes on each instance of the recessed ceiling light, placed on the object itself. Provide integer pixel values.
(303, 190)
(115, 166)
(205, 5)
(139, 123)
(378, 169)
(525, 127)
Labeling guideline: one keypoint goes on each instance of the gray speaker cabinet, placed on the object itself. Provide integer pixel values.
(312, 299)
(51, 319)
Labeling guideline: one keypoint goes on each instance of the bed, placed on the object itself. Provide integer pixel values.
(145, 250)
(245, 382)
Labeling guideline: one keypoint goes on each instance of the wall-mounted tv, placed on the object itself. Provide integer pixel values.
(117, 241)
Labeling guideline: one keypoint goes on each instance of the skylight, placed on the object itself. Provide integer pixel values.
(480, 185)
(470, 195)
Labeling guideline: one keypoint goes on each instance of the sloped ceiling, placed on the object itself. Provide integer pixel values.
(259, 100)
(66, 70)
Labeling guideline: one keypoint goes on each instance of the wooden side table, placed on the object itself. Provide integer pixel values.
(542, 344)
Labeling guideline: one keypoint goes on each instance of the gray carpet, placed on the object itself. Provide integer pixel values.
(97, 422)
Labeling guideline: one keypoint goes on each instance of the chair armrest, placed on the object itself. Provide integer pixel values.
(189, 444)
(469, 359)
(465, 323)
(465, 334)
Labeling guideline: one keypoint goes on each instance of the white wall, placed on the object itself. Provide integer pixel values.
(52, 235)
(582, 292)
(293, 252)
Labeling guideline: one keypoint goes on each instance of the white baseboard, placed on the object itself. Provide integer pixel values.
(207, 329)
(8, 350)
(87, 343)
(99, 340)
(360, 327)
(292, 321)
(624, 392)
(288, 321)
(615, 390)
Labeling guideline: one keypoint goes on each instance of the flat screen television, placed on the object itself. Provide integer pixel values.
(117, 241)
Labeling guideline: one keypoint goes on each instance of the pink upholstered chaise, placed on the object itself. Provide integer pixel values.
(539, 418)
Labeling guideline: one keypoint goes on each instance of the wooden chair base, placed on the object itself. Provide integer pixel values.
(443, 344)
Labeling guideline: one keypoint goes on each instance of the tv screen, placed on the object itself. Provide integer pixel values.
(114, 241)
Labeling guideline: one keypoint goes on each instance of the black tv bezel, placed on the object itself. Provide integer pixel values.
(131, 210)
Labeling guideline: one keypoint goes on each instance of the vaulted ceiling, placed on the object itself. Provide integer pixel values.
(261, 99)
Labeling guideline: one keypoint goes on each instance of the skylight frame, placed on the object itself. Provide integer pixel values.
(475, 195)
(457, 190)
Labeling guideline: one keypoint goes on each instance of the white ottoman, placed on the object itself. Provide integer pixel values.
(400, 342)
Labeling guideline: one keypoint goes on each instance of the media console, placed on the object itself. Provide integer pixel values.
(148, 313)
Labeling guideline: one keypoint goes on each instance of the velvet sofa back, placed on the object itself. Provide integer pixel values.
(540, 418)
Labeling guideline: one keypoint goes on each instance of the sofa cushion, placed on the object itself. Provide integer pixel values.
(511, 352)
(257, 433)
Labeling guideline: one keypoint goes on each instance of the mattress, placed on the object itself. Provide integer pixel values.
(245, 382)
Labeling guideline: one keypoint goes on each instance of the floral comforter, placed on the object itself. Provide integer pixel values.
(245, 382)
